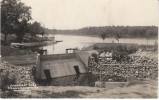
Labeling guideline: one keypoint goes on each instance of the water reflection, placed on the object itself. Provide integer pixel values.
(88, 79)
(73, 80)
(70, 41)
(80, 42)
(70, 80)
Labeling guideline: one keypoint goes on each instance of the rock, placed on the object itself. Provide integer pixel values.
(99, 84)
(21, 74)
(139, 72)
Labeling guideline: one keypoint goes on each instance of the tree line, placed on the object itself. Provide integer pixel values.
(16, 19)
(113, 31)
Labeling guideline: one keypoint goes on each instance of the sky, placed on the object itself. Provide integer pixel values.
(75, 14)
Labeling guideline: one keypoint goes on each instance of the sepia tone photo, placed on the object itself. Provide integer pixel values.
(79, 49)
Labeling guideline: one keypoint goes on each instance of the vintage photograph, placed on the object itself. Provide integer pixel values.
(79, 49)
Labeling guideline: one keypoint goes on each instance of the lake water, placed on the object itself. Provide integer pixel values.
(80, 42)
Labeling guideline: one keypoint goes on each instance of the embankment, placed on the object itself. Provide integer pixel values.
(13, 74)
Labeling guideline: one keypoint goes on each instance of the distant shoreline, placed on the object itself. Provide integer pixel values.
(155, 38)
(111, 31)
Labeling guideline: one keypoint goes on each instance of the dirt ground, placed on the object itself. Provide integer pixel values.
(136, 89)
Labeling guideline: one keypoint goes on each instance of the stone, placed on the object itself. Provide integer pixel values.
(99, 84)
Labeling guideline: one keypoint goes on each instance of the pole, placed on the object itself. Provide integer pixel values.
(53, 43)
(100, 73)
(147, 47)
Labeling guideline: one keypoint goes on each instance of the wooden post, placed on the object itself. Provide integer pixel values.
(100, 72)
(147, 47)
(53, 48)
(66, 51)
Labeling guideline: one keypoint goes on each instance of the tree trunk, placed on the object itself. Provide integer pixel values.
(35, 37)
(147, 46)
(147, 42)
(20, 37)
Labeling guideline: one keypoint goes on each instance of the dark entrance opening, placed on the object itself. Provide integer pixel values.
(47, 74)
(77, 70)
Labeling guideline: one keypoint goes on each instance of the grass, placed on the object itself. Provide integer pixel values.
(10, 94)
(44, 94)
(147, 89)
(144, 95)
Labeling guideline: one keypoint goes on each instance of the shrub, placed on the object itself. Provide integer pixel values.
(95, 47)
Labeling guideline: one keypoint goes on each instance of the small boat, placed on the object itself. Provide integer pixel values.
(59, 41)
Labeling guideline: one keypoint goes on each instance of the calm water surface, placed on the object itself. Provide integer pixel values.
(78, 80)
(80, 42)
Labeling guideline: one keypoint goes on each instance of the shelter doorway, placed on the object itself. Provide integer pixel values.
(77, 70)
(47, 74)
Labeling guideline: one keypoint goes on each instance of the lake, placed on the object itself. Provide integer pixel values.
(81, 42)
(70, 41)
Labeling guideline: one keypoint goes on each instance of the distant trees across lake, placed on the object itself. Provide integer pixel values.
(16, 20)
(112, 31)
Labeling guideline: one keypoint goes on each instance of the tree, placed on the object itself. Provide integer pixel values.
(117, 37)
(149, 33)
(103, 36)
(104, 33)
(116, 33)
(35, 29)
(14, 16)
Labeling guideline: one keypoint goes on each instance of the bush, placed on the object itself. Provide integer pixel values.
(6, 81)
(95, 47)
(10, 94)
(121, 52)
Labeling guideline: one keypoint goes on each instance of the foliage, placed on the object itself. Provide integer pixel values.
(95, 56)
(11, 94)
(14, 18)
(10, 38)
(6, 80)
(36, 28)
(113, 31)
(117, 36)
(103, 36)
(119, 52)
(149, 47)
(96, 47)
